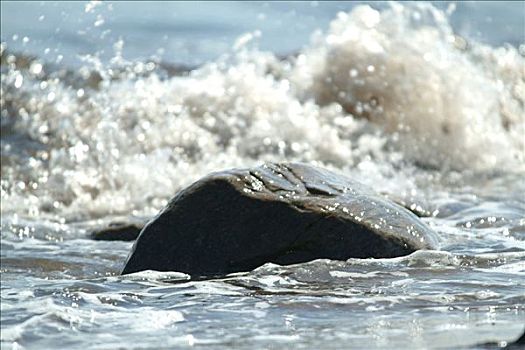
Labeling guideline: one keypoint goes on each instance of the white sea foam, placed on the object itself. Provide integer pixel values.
(378, 88)
(449, 104)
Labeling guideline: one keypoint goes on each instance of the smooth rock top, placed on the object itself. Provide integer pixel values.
(240, 219)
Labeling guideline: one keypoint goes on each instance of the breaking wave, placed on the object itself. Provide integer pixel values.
(380, 94)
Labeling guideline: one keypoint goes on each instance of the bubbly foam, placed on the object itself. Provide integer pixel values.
(378, 89)
(448, 104)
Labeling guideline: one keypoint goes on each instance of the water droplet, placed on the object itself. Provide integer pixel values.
(150, 66)
(90, 6)
(36, 68)
(51, 96)
(19, 80)
(99, 21)
(43, 129)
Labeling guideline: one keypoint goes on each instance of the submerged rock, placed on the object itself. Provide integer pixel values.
(118, 231)
(240, 219)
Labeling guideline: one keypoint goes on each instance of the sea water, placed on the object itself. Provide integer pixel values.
(108, 109)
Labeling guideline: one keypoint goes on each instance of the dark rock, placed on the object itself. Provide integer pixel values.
(520, 341)
(411, 203)
(118, 231)
(240, 219)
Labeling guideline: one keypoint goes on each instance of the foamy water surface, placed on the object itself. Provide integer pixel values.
(392, 95)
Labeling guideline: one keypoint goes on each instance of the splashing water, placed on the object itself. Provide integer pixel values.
(394, 98)
(440, 105)
(451, 106)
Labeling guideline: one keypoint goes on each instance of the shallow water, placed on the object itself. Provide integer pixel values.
(423, 104)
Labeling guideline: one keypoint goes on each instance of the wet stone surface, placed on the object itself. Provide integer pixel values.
(118, 231)
(287, 213)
